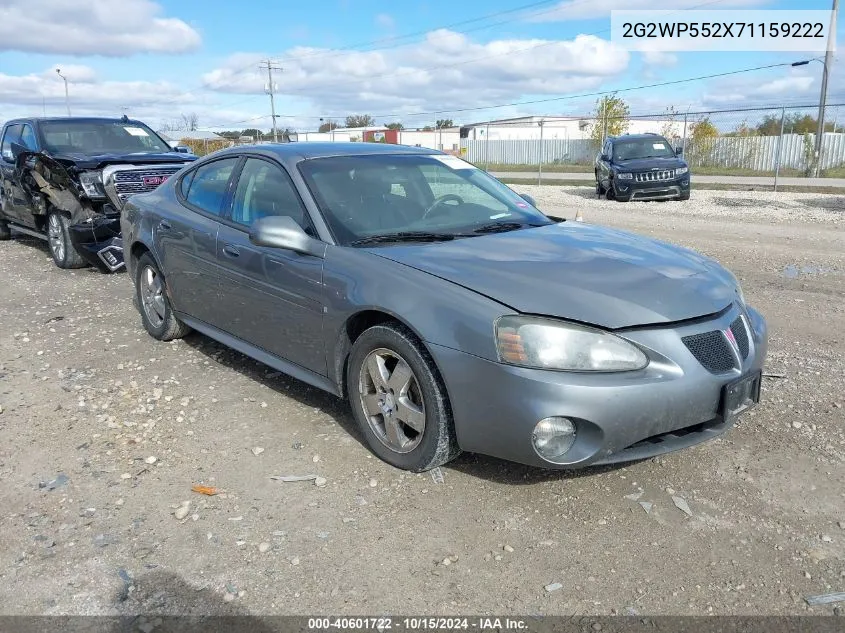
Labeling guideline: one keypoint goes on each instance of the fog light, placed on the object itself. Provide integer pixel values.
(553, 437)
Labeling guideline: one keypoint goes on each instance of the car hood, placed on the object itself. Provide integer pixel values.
(595, 275)
(644, 164)
(88, 161)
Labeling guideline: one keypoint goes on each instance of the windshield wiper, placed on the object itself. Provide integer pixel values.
(503, 227)
(404, 236)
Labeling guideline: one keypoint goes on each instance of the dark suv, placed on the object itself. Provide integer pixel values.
(641, 167)
(66, 180)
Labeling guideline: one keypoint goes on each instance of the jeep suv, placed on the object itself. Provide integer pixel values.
(66, 180)
(641, 167)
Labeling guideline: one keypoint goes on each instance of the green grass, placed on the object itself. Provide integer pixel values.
(835, 172)
(708, 186)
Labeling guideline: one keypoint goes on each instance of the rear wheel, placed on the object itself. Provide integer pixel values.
(153, 303)
(58, 237)
(5, 231)
(399, 399)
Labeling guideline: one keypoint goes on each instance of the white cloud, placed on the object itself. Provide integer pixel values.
(445, 71)
(385, 21)
(660, 58)
(597, 9)
(789, 89)
(92, 27)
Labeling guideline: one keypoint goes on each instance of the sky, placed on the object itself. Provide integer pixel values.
(470, 61)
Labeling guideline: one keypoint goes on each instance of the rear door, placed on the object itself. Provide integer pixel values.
(273, 298)
(186, 239)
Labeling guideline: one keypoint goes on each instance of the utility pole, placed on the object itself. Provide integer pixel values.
(270, 90)
(828, 60)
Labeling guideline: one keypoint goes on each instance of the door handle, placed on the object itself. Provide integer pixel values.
(231, 251)
(164, 225)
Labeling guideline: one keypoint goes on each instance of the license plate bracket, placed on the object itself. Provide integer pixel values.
(740, 396)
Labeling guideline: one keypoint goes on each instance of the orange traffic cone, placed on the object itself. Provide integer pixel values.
(579, 217)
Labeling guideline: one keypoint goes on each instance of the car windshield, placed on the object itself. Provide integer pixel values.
(100, 137)
(656, 147)
(396, 197)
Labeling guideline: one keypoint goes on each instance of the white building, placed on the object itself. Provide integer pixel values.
(561, 127)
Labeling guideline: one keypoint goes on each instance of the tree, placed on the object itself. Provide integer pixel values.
(669, 128)
(394, 126)
(441, 123)
(360, 120)
(251, 131)
(702, 140)
(612, 114)
(190, 121)
(328, 126)
(428, 128)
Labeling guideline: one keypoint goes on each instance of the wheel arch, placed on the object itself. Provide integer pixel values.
(355, 325)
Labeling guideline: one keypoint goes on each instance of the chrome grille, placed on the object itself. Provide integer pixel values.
(741, 335)
(712, 350)
(655, 176)
(128, 182)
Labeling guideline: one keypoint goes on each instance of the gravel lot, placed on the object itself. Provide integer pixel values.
(103, 431)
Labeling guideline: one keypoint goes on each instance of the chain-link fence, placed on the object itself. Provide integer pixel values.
(773, 142)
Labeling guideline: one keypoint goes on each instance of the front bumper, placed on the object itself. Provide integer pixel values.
(98, 241)
(654, 190)
(671, 404)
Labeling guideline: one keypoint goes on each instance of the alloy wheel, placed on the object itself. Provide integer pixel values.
(55, 237)
(392, 400)
(152, 296)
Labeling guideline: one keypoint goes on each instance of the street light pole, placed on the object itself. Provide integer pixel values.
(67, 99)
(828, 60)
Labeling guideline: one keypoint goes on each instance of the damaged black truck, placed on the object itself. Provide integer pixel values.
(66, 180)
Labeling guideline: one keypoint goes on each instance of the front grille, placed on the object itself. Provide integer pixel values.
(712, 350)
(655, 176)
(741, 336)
(128, 182)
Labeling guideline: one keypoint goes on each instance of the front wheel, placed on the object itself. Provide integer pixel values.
(399, 399)
(5, 231)
(599, 189)
(684, 196)
(58, 237)
(154, 304)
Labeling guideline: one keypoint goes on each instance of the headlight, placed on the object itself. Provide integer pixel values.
(680, 171)
(549, 344)
(92, 184)
(624, 176)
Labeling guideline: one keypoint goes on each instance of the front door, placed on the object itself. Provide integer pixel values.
(271, 298)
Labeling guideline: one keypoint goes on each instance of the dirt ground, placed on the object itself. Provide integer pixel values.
(103, 431)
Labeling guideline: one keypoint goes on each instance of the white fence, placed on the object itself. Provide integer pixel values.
(759, 153)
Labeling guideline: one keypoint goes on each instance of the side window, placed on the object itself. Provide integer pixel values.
(264, 190)
(207, 189)
(28, 138)
(12, 135)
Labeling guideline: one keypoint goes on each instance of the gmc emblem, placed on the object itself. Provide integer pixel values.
(154, 181)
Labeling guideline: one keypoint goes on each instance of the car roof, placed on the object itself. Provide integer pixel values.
(306, 150)
(635, 137)
(75, 119)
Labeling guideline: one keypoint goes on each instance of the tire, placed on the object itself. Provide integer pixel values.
(610, 194)
(5, 231)
(153, 304)
(418, 395)
(58, 238)
(684, 196)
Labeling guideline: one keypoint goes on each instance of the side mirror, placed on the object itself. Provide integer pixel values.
(281, 231)
(530, 200)
(679, 151)
(182, 149)
(17, 150)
